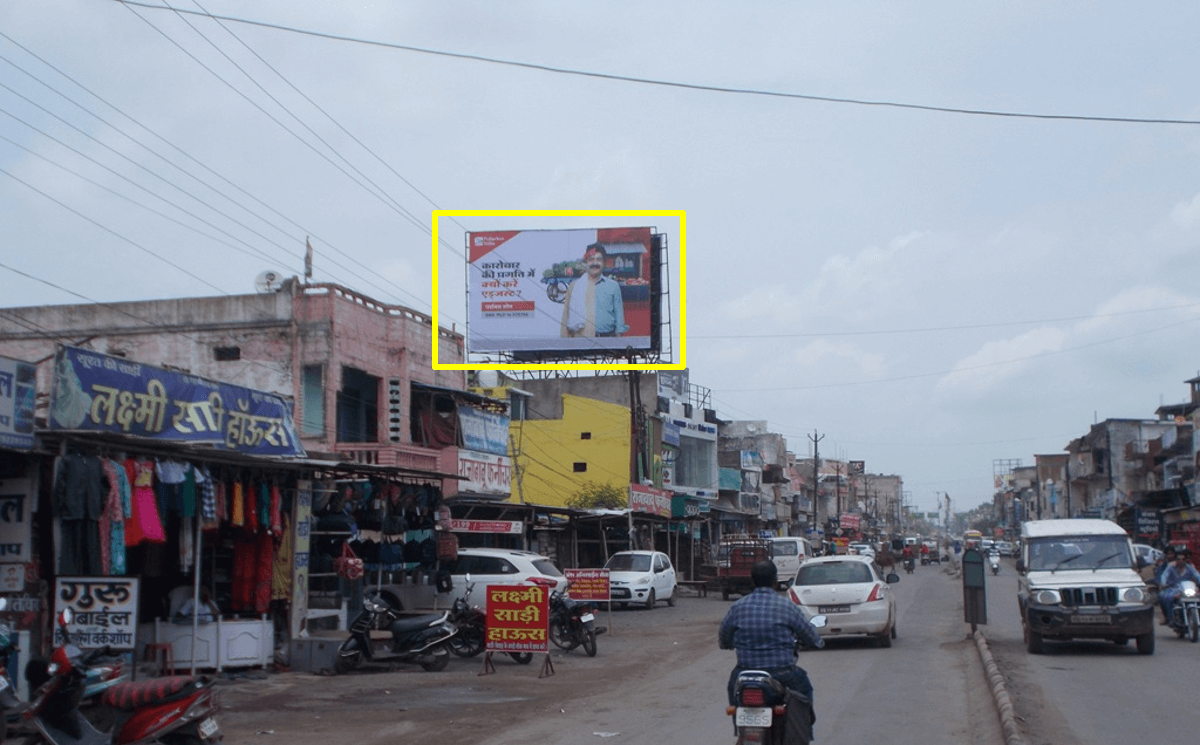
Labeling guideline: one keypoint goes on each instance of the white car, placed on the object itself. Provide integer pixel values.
(861, 549)
(643, 577)
(1147, 553)
(847, 590)
(493, 566)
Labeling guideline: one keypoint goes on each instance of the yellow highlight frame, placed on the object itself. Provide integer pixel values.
(681, 214)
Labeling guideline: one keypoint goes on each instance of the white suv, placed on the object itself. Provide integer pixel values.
(492, 566)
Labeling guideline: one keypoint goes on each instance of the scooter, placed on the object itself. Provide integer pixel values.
(471, 623)
(424, 640)
(573, 623)
(760, 714)
(994, 560)
(1185, 615)
(177, 709)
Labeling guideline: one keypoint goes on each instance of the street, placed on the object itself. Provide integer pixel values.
(658, 678)
(1091, 692)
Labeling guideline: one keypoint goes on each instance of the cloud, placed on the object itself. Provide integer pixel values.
(1187, 214)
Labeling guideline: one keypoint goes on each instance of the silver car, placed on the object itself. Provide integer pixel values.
(848, 590)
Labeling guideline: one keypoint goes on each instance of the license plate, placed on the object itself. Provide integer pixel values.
(753, 716)
(587, 617)
(1091, 619)
(208, 727)
(833, 609)
(619, 592)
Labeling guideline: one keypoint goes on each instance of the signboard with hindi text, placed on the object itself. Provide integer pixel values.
(588, 584)
(101, 393)
(16, 499)
(104, 610)
(518, 618)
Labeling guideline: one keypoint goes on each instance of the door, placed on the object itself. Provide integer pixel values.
(664, 576)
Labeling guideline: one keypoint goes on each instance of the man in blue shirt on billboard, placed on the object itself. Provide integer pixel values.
(593, 304)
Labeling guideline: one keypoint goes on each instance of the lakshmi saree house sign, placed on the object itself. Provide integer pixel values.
(99, 393)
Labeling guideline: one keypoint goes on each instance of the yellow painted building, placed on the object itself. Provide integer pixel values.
(590, 443)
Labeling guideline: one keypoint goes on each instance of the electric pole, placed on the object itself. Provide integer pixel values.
(816, 474)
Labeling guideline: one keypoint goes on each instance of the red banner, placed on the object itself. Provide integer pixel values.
(517, 618)
(588, 584)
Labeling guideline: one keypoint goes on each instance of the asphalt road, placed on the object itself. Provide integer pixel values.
(1092, 692)
(658, 678)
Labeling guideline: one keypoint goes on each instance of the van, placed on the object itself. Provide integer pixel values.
(788, 552)
(1078, 579)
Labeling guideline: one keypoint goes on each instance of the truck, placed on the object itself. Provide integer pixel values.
(735, 556)
(1078, 579)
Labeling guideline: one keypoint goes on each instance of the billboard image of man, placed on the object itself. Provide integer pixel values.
(593, 304)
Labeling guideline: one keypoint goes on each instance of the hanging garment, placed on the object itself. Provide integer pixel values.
(239, 505)
(79, 500)
(207, 492)
(187, 544)
(274, 512)
(187, 493)
(264, 505)
(244, 556)
(251, 509)
(265, 567)
(144, 522)
(112, 519)
(281, 576)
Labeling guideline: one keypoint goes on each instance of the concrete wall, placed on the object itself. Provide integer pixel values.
(551, 447)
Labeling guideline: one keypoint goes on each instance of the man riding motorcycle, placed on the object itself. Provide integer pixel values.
(764, 627)
(1171, 577)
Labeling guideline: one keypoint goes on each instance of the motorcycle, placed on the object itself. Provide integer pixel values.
(424, 640)
(994, 560)
(177, 709)
(573, 623)
(909, 564)
(471, 622)
(760, 714)
(1185, 615)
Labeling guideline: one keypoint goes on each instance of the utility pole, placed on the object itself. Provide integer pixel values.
(816, 474)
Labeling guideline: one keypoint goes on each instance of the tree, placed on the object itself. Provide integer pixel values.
(593, 496)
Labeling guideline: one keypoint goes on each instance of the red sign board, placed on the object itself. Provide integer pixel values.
(849, 520)
(588, 584)
(486, 526)
(651, 500)
(517, 618)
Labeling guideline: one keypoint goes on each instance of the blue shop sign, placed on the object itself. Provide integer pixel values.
(99, 393)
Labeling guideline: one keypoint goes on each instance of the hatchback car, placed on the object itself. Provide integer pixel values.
(643, 577)
(861, 549)
(850, 593)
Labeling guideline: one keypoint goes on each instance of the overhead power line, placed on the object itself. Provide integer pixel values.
(677, 84)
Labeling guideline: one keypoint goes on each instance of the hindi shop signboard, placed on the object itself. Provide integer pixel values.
(518, 618)
(104, 611)
(651, 500)
(588, 584)
(18, 384)
(100, 393)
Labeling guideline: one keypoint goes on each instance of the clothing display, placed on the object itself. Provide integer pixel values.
(144, 522)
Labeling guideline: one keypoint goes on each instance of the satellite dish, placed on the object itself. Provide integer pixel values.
(268, 281)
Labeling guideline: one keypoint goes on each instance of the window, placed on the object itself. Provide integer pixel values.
(696, 463)
(580, 467)
(312, 397)
(358, 407)
(227, 354)
(585, 435)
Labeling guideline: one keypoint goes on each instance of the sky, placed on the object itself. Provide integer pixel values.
(935, 235)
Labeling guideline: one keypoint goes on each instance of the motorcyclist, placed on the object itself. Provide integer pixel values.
(764, 627)
(1171, 577)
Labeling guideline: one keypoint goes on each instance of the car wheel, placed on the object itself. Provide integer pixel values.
(671, 597)
(650, 599)
(1033, 641)
(1145, 643)
(885, 639)
(893, 630)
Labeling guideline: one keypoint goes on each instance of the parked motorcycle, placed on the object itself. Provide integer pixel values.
(1185, 616)
(177, 709)
(424, 639)
(573, 622)
(760, 714)
(994, 560)
(471, 622)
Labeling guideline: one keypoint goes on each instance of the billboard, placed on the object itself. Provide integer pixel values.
(570, 292)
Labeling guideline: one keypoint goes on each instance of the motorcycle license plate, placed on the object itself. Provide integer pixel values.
(753, 716)
(208, 727)
(823, 609)
(1091, 618)
(587, 617)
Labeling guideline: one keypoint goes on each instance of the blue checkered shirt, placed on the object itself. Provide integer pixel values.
(763, 627)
